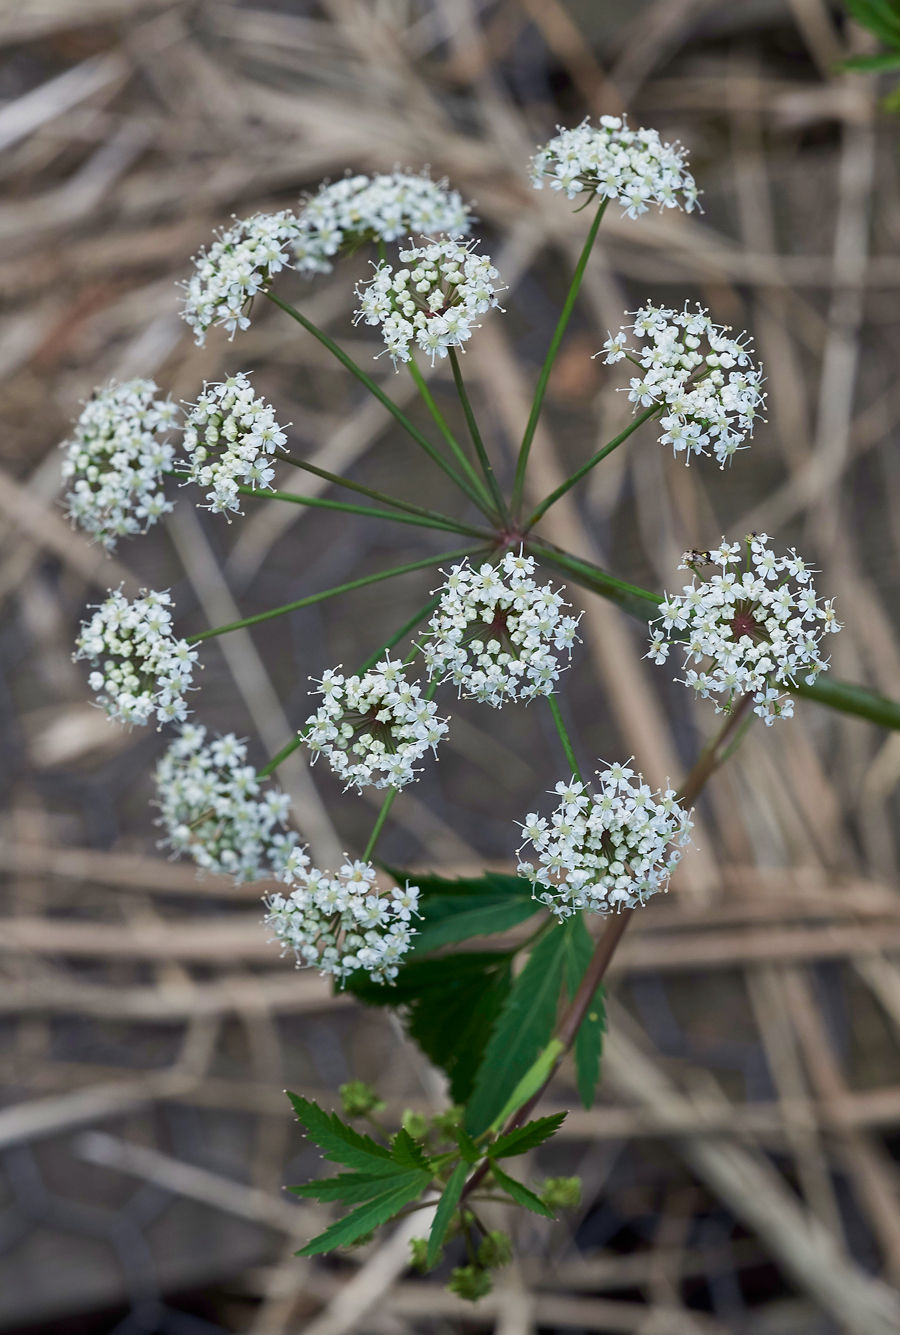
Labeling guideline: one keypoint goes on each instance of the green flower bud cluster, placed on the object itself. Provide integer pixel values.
(561, 1193)
(359, 1099)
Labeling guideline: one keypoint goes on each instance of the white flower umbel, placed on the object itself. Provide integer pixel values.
(344, 922)
(707, 383)
(373, 729)
(140, 669)
(230, 437)
(433, 301)
(494, 632)
(612, 161)
(116, 460)
(750, 631)
(237, 265)
(211, 808)
(377, 208)
(606, 850)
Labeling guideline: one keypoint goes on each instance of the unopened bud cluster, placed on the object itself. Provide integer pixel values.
(230, 436)
(752, 631)
(606, 850)
(432, 302)
(495, 630)
(373, 729)
(612, 161)
(706, 383)
(211, 808)
(140, 668)
(344, 922)
(116, 460)
(379, 208)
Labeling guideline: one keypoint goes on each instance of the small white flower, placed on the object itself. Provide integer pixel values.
(432, 301)
(494, 632)
(748, 636)
(612, 161)
(207, 798)
(378, 208)
(706, 382)
(344, 922)
(117, 459)
(373, 729)
(140, 667)
(608, 850)
(236, 267)
(229, 435)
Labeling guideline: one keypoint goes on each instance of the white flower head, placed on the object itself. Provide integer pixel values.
(496, 634)
(707, 384)
(343, 922)
(230, 437)
(377, 208)
(140, 668)
(605, 850)
(750, 631)
(374, 728)
(116, 460)
(237, 266)
(612, 161)
(433, 301)
(212, 808)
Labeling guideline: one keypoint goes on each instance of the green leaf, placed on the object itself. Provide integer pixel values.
(588, 1045)
(444, 1213)
(450, 1006)
(341, 1143)
(482, 915)
(467, 1147)
(406, 1153)
(880, 17)
(398, 1191)
(522, 1031)
(475, 906)
(348, 1187)
(521, 1195)
(872, 64)
(527, 1137)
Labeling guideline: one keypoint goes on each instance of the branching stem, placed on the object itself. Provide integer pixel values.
(564, 736)
(441, 424)
(320, 503)
(483, 459)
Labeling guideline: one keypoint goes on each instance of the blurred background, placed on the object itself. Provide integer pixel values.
(741, 1166)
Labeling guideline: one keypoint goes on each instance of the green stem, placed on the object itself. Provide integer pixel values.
(591, 463)
(422, 613)
(441, 424)
(564, 736)
(379, 824)
(477, 441)
(282, 755)
(543, 379)
(332, 593)
(376, 390)
(336, 480)
(320, 503)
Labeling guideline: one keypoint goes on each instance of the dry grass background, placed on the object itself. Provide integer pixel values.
(740, 1168)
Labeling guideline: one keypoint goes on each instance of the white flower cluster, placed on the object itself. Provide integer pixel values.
(613, 162)
(492, 632)
(345, 922)
(382, 208)
(755, 631)
(236, 266)
(229, 436)
(140, 668)
(374, 728)
(606, 850)
(210, 808)
(432, 302)
(706, 381)
(116, 459)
